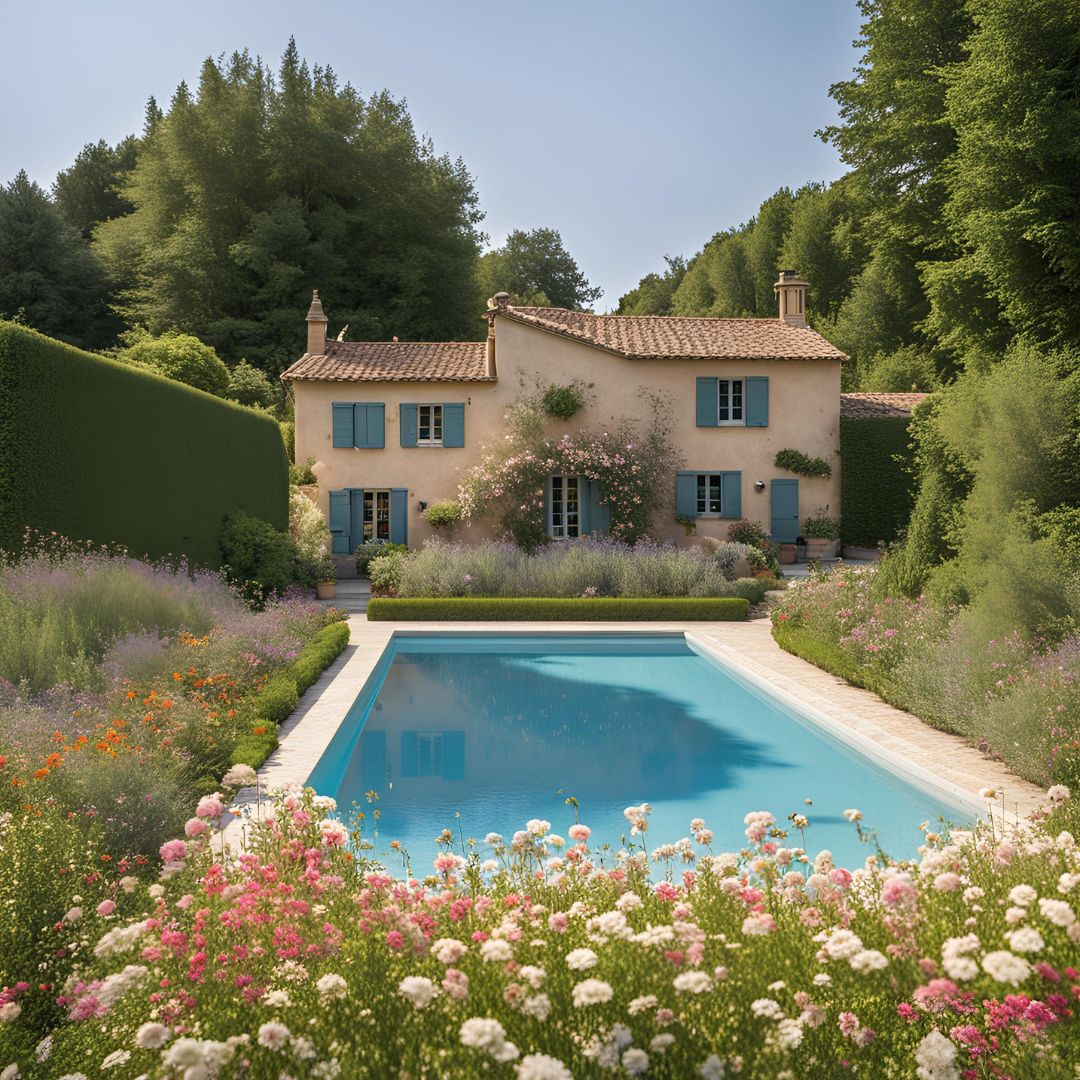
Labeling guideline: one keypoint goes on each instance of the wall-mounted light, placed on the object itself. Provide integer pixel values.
(759, 486)
(422, 505)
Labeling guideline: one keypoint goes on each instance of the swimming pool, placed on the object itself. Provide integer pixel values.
(478, 733)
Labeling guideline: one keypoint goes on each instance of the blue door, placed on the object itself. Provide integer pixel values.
(785, 511)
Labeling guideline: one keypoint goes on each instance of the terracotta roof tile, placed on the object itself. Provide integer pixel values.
(394, 361)
(878, 406)
(643, 337)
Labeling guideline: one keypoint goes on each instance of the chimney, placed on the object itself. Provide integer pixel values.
(791, 289)
(502, 301)
(316, 326)
(491, 349)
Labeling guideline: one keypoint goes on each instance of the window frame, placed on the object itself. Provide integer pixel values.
(564, 511)
(375, 521)
(435, 423)
(711, 480)
(725, 401)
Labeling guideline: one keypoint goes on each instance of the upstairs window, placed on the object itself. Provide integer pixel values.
(729, 401)
(429, 430)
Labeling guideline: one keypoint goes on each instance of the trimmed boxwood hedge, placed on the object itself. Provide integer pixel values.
(97, 450)
(281, 694)
(533, 608)
(876, 493)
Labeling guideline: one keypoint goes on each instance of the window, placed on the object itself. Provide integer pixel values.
(376, 515)
(729, 401)
(709, 500)
(429, 431)
(565, 508)
(429, 753)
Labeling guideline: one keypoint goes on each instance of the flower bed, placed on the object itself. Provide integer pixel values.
(727, 609)
(539, 958)
(1016, 698)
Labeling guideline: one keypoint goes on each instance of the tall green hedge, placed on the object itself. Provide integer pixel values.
(97, 450)
(877, 493)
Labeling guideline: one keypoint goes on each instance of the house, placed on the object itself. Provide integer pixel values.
(393, 425)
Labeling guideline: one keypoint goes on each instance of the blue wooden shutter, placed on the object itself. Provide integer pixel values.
(731, 494)
(453, 755)
(339, 523)
(369, 425)
(686, 494)
(584, 497)
(373, 761)
(757, 401)
(399, 516)
(343, 423)
(408, 422)
(410, 754)
(453, 425)
(707, 408)
(547, 506)
(599, 512)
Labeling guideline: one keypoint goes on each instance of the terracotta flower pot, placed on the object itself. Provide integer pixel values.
(326, 590)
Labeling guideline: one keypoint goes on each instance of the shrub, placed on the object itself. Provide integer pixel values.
(278, 698)
(821, 528)
(563, 402)
(309, 533)
(372, 549)
(181, 357)
(248, 385)
(255, 552)
(302, 474)
(442, 515)
(751, 533)
(385, 571)
(712, 609)
(124, 456)
(797, 462)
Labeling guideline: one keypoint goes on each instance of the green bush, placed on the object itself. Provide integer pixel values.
(563, 402)
(750, 533)
(682, 609)
(254, 551)
(372, 549)
(121, 455)
(302, 474)
(181, 357)
(797, 462)
(248, 385)
(442, 515)
(319, 654)
(821, 528)
(386, 571)
(278, 698)
(877, 492)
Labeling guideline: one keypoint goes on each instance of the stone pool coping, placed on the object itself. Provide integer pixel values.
(896, 738)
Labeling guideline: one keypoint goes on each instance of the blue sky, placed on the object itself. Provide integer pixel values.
(635, 127)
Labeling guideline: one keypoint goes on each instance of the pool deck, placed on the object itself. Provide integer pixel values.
(897, 735)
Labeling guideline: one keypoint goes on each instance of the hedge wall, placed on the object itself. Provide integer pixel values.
(603, 608)
(97, 450)
(876, 493)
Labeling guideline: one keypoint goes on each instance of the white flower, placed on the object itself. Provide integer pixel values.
(869, 960)
(1005, 967)
(273, 1036)
(542, 1067)
(822, 979)
(1057, 911)
(1026, 939)
(493, 839)
(960, 968)
(1015, 915)
(642, 1004)
(325, 804)
(537, 827)
(117, 1057)
(9, 1011)
(629, 902)
(278, 999)
(533, 975)
(692, 982)
(240, 776)
(767, 1008)
(44, 1048)
(635, 1061)
(538, 1006)
(496, 950)
(120, 939)
(73, 914)
(581, 959)
(611, 923)
(332, 986)
(151, 1036)
(156, 891)
(418, 989)
(591, 992)
(712, 1068)
(489, 1036)
(936, 1057)
(842, 944)
(1023, 895)
(789, 1034)
(853, 815)
(1058, 793)
(659, 1043)
(449, 950)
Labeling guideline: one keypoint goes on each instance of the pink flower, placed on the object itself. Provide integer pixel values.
(898, 892)
(456, 984)
(395, 939)
(173, 851)
(840, 876)
(580, 833)
(210, 806)
(195, 827)
(106, 907)
(559, 922)
(849, 1024)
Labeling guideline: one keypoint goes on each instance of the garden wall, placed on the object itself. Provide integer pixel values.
(97, 450)
(876, 494)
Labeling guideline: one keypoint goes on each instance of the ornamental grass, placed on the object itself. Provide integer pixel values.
(535, 957)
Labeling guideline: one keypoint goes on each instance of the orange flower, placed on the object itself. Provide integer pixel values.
(53, 760)
(40, 774)
(3, 761)
(176, 676)
(259, 729)
(130, 694)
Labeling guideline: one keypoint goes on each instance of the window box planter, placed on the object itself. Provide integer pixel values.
(820, 548)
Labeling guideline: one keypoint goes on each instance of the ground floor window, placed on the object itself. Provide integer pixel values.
(565, 520)
(429, 748)
(376, 515)
(709, 497)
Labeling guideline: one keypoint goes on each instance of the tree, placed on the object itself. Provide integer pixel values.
(250, 190)
(655, 293)
(536, 269)
(250, 386)
(91, 189)
(48, 275)
(177, 356)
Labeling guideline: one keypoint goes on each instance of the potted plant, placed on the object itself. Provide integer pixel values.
(822, 537)
(326, 578)
(758, 562)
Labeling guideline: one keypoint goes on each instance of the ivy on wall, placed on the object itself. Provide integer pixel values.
(797, 462)
(877, 493)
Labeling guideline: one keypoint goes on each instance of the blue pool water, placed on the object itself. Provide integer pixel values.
(481, 733)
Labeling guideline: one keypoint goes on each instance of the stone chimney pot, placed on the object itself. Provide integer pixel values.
(791, 292)
(316, 326)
